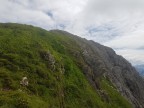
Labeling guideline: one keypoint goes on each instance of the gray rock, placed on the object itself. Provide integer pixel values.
(47, 56)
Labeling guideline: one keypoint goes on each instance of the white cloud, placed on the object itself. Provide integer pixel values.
(131, 41)
(14, 12)
(36, 11)
(136, 57)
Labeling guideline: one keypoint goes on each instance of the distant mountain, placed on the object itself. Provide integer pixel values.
(56, 69)
(140, 69)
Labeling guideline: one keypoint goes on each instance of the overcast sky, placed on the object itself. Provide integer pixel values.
(115, 23)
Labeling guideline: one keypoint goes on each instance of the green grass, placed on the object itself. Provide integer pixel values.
(22, 49)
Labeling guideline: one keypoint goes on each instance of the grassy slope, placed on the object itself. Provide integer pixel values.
(20, 48)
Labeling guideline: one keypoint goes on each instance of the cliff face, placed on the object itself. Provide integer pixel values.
(121, 73)
(56, 69)
(103, 61)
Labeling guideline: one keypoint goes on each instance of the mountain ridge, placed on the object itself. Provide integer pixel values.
(64, 71)
(114, 56)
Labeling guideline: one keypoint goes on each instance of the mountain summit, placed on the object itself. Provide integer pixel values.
(56, 69)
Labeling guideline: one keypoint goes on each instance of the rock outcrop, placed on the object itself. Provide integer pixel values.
(24, 81)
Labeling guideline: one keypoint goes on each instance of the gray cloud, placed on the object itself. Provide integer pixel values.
(115, 5)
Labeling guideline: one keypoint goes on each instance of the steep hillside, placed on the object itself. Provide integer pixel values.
(63, 71)
(103, 61)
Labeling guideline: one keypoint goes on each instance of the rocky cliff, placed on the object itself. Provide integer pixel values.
(103, 61)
